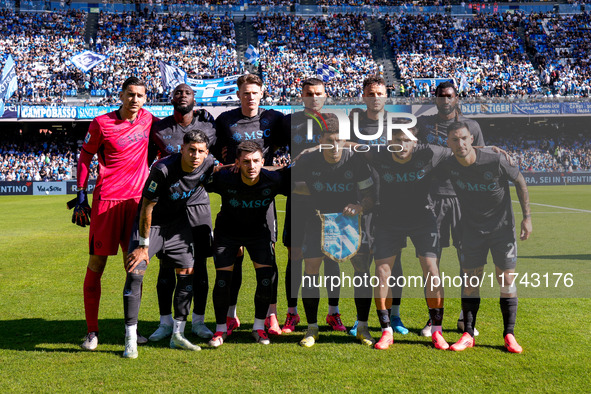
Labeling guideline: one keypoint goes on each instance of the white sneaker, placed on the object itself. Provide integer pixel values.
(426, 331)
(178, 341)
(201, 330)
(90, 341)
(163, 331)
(130, 347)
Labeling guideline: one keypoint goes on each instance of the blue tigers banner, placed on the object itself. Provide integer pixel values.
(341, 235)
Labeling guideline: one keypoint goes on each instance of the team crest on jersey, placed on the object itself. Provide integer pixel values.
(348, 174)
(488, 175)
(266, 192)
(388, 177)
(298, 139)
(153, 186)
(318, 186)
(87, 138)
(235, 203)
(169, 148)
(237, 137)
(461, 184)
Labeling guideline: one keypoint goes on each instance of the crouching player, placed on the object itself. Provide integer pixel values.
(164, 229)
(481, 181)
(247, 196)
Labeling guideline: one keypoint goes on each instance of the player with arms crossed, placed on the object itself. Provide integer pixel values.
(167, 138)
(336, 180)
(249, 122)
(247, 196)
(481, 181)
(120, 140)
(164, 228)
(433, 130)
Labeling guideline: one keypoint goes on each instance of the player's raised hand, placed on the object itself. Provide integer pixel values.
(137, 256)
(81, 215)
(526, 228)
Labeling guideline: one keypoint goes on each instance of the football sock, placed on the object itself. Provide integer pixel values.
(331, 268)
(165, 289)
(132, 297)
(436, 315)
(259, 324)
(333, 309)
(131, 330)
(292, 310)
(221, 328)
(221, 295)
(92, 298)
(200, 286)
(395, 310)
(509, 311)
(310, 298)
(236, 280)
(232, 311)
(264, 291)
(178, 326)
(198, 318)
(293, 281)
(363, 306)
(166, 319)
(470, 307)
(384, 318)
(182, 296)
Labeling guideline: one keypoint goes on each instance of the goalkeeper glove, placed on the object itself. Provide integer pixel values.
(81, 215)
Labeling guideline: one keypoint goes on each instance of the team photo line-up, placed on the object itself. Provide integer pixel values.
(440, 167)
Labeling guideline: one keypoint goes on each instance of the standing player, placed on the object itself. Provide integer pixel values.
(369, 123)
(406, 210)
(481, 181)
(250, 123)
(338, 181)
(433, 130)
(167, 137)
(164, 228)
(247, 197)
(120, 140)
(313, 97)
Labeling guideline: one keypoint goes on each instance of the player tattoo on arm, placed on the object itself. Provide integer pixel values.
(523, 195)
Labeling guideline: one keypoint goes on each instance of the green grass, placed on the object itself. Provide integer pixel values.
(43, 262)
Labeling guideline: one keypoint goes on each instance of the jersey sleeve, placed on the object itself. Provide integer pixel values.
(155, 184)
(363, 174)
(94, 138)
(212, 183)
(508, 171)
(205, 118)
(477, 133)
(439, 154)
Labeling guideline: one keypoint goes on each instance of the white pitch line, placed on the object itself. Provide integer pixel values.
(555, 206)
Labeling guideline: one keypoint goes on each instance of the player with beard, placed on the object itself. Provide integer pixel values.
(249, 122)
(313, 97)
(481, 181)
(433, 130)
(120, 140)
(246, 195)
(164, 228)
(368, 122)
(167, 138)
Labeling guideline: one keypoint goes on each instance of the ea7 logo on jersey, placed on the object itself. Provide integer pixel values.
(153, 186)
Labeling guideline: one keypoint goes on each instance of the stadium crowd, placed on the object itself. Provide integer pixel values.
(292, 47)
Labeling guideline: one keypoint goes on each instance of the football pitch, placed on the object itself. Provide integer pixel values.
(43, 259)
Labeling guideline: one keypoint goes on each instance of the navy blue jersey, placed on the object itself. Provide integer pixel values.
(233, 127)
(171, 188)
(298, 124)
(433, 130)
(166, 138)
(333, 185)
(483, 191)
(244, 208)
(404, 188)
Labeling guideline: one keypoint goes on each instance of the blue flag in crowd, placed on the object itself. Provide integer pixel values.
(341, 236)
(172, 76)
(252, 55)
(326, 72)
(86, 60)
(8, 82)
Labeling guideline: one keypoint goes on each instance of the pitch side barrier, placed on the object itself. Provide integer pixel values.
(14, 188)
